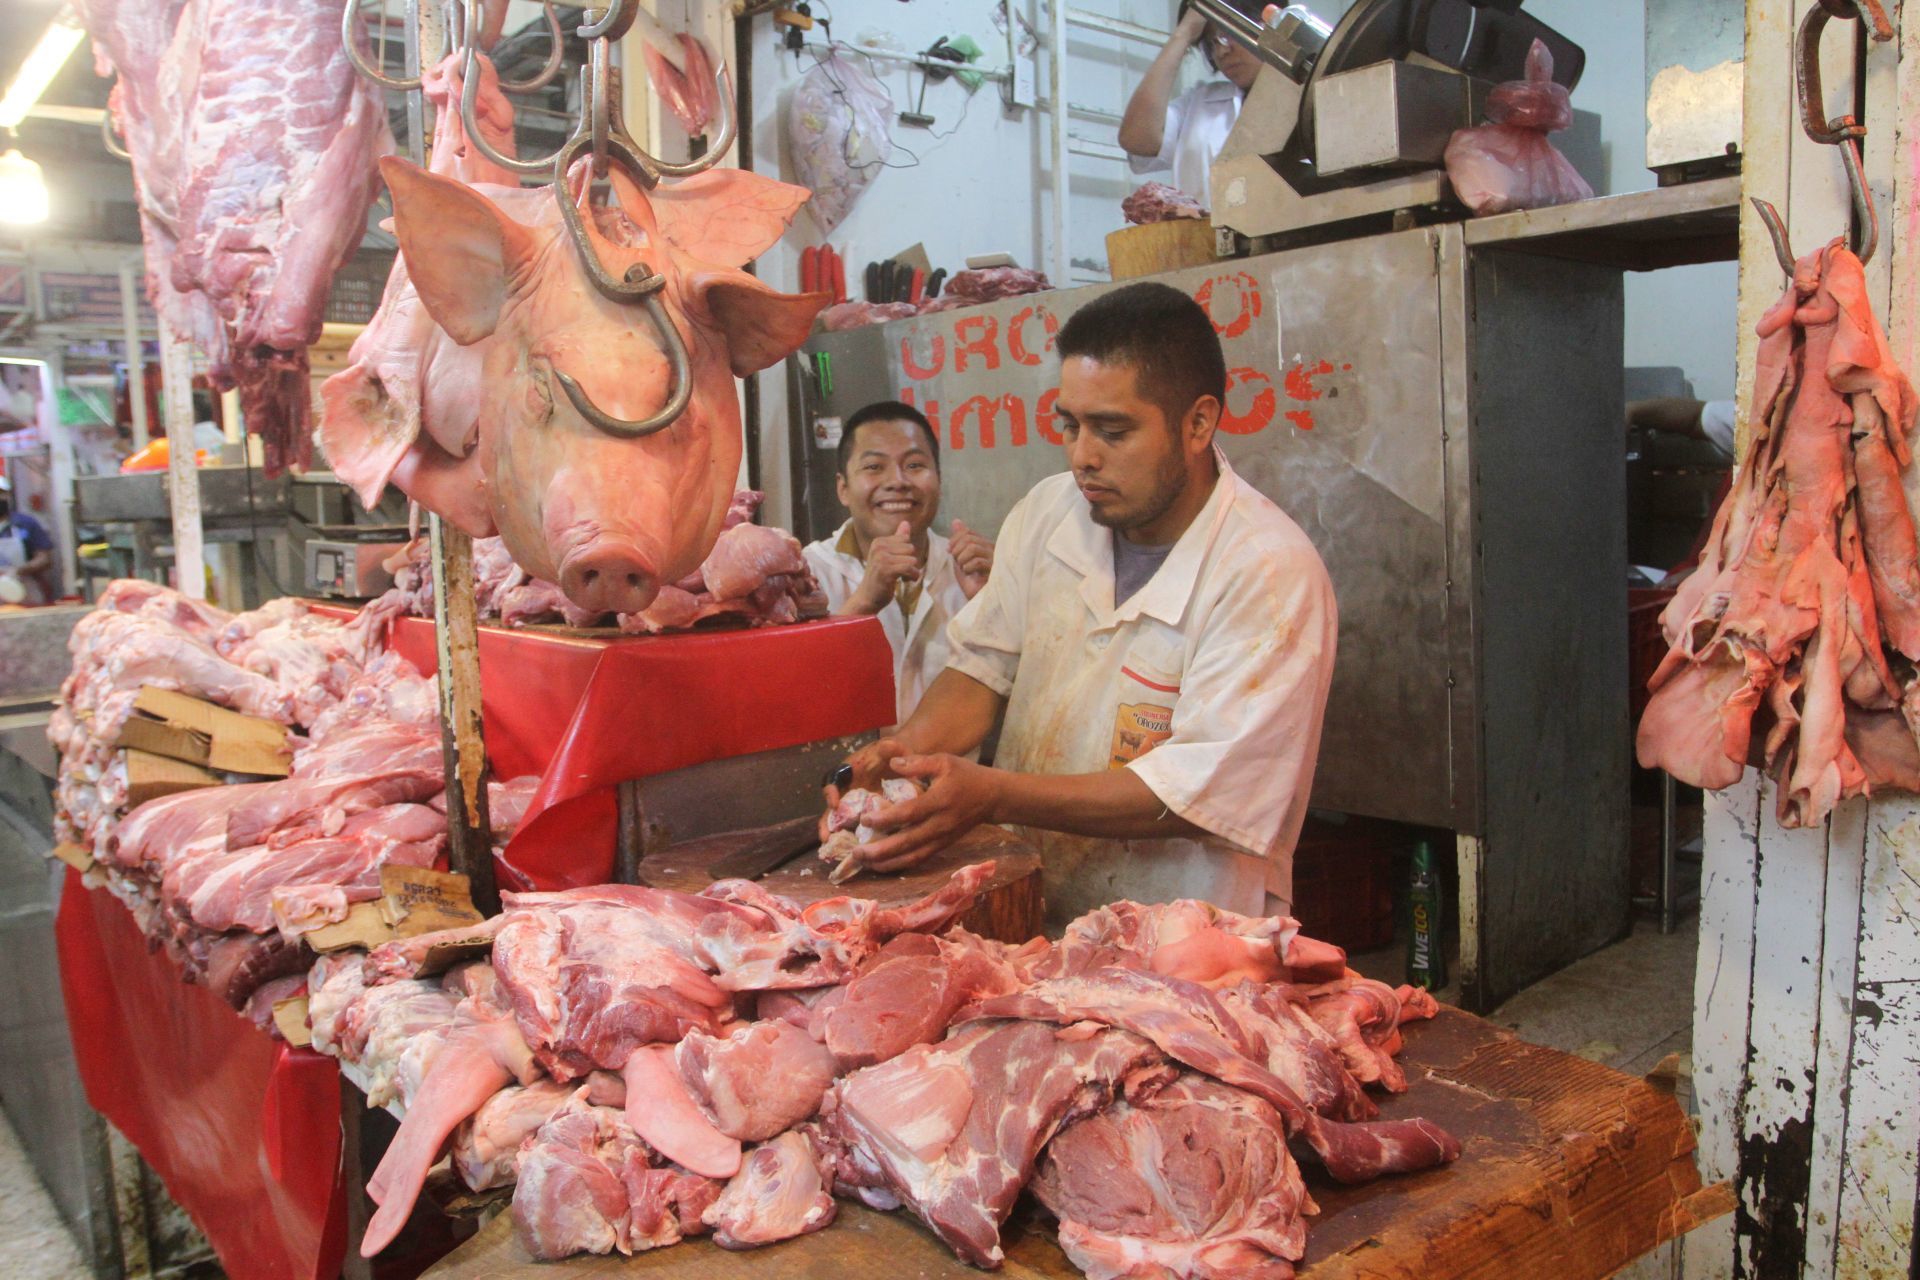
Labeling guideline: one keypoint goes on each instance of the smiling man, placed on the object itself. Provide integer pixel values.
(1159, 636)
(886, 560)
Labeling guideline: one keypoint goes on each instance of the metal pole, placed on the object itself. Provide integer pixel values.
(1057, 90)
(183, 478)
(53, 375)
(456, 624)
(136, 363)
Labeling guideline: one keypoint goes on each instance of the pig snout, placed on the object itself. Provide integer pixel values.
(609, 577)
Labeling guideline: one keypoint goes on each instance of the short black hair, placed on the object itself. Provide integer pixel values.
(1162, 333)
(885, 411)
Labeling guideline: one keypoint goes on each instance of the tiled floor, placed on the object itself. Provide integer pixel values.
(34, 1244)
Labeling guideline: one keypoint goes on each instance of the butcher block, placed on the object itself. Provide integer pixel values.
(1008, 909)
(1570, 1170)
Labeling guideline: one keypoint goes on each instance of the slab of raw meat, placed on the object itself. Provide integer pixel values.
(687, 90)
(778, 1194)
(953, 1130)
(486, 1146)
(858, 315)
(181, 825)
(909, 994)
(1810, 573)
(253, 144)
(478, 1053)
(595, 974)
(1197, 1030)
(758, 1080)
(129, 651)
(236, 891)
(1196, 941)
(780, 945)
(1192, 1183)
(1158, 202)
(324, 802)
(589, 1184)
(1364, 1018)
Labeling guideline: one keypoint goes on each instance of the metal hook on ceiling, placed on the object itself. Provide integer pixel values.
(348, 12)
(1843, 131)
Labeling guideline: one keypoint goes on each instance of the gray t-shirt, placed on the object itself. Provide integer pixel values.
(1134, 566)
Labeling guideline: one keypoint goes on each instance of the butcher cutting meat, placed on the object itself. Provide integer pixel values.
(1158, 636)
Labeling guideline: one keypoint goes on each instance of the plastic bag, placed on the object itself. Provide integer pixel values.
(1509, 163)
(837, 122)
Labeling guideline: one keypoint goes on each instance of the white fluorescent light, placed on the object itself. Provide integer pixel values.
(57, 43)
(23, 191)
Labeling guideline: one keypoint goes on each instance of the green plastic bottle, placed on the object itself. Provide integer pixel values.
(1426, 961)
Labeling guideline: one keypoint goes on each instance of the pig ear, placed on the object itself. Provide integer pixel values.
(761, 326)
(727, 217)
(463, 254)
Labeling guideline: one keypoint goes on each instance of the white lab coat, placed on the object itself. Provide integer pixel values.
(919, 642)
(1209, 684)
(1197, 125)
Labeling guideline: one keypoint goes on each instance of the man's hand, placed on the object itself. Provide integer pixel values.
(972, 558)
(870, 765)
(959, 796)
(889, 560)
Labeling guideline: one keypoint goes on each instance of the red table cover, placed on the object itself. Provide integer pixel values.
(244, 1131)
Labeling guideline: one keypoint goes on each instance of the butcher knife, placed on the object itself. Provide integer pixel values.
(778, 846)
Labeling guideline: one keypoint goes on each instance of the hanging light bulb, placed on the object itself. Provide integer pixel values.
(23, 190)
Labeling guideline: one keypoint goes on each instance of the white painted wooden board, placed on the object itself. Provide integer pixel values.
(1846, 849)
(1723, 978)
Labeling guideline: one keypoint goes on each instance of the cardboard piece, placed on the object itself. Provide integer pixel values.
(442, 956)
(77, 856)
(151, 776)
(290, 1016)
(414, 900)
(180, 727)
(421, 900)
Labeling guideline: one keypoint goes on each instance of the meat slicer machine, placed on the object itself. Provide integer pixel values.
(1351, 113)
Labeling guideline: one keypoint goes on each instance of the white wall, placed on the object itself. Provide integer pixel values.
(982, 181)
(1685, 315)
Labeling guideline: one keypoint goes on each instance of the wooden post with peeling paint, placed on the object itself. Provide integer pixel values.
(1807, 985)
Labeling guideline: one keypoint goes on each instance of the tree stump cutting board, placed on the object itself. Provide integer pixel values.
(1009, 910)
(1570, 1171)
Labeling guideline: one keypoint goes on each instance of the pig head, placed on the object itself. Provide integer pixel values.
(610, 519)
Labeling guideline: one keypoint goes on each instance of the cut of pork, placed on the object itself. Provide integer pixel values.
(953, 1130)
(778, 1194)
(1193, 1183)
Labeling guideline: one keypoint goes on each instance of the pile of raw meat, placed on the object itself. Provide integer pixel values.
(1806, 604)
(253, 144)
(754, 575)
(967, 289)
(1158, 202)
(230, 878)
(642, 1065)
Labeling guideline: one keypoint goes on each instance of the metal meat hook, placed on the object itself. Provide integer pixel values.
(348, 12)
(599, 109)
(641, 284)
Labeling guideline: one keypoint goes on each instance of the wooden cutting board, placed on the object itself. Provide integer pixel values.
(1159, 246)
(1570, 1170)
(1008, 910)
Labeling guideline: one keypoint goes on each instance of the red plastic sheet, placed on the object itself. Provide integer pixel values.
(243, 1130)
(587, 714)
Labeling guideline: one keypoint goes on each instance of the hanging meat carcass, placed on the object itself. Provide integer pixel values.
(1807, 598)
(253, 143)
(610, 518)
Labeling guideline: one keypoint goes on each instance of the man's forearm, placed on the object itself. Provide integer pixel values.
(1143, 124)
(1115, 805)
(954, 717)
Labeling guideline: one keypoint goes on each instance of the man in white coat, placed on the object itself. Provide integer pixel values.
(1158, 635)
(886, 560)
